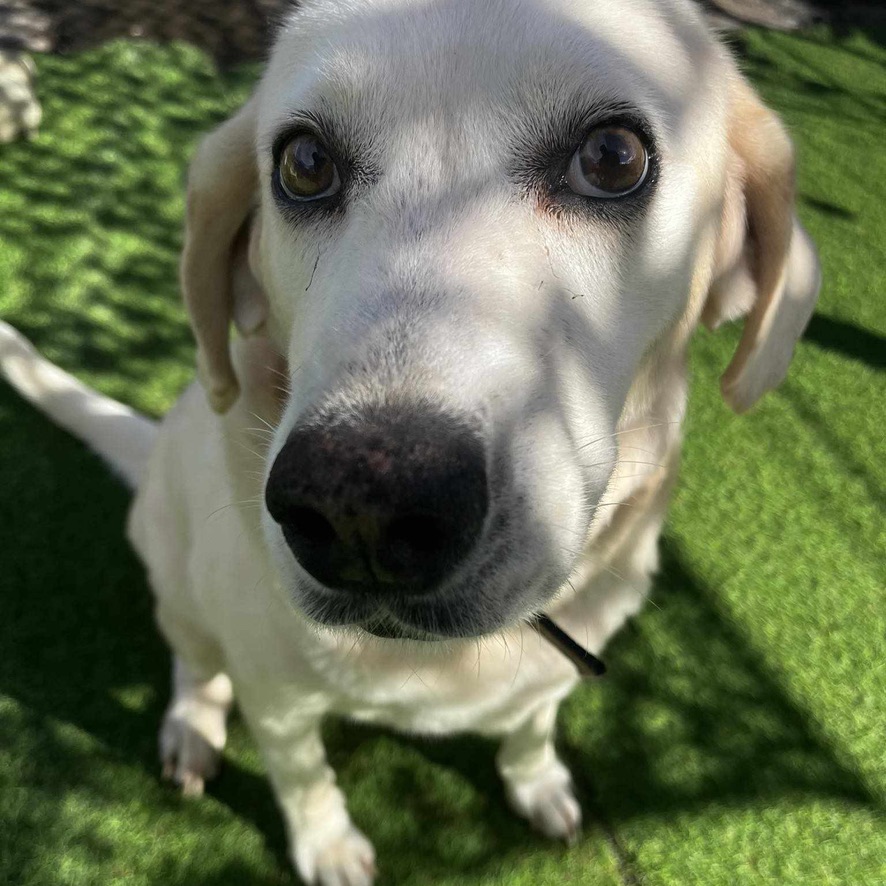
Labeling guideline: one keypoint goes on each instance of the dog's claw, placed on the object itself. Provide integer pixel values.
(548, 802)
(558, 817)
(192, 785)
(188, 760)
(347, 861)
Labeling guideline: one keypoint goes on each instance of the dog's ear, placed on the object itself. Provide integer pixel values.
(220, 238)
(766, 265)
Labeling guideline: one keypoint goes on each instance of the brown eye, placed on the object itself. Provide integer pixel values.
(307, 171)
(611, 162)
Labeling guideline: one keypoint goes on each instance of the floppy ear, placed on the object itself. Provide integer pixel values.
(220, 234)
(766, 265)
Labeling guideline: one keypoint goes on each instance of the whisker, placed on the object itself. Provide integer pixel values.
(266, 423)
(576, 532)
(353, 647)
(252, 451)
(280, 372)
(417, 676)
(639, 449)
(663, 424)
(615, 572)
(570, 551)
(254, 502)
(520, 659)
(648, 464)
(261, 580)
(625, 461)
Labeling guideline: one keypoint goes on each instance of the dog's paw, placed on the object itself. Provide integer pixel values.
(188, 757)
(549, 803)
(19, 109)
(346, 860)
(194, 730)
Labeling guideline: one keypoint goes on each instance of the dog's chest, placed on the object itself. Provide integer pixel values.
(488, 687)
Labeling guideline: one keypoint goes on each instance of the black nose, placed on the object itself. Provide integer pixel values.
(392, 501)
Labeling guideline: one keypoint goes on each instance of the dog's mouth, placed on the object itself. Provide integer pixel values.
(464, 612)
(419, 619)
(382, 624)
(587, 664)
(387, 628)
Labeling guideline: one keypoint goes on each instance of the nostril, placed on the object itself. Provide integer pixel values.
(310, 525)
(416, 533)
(389, 502)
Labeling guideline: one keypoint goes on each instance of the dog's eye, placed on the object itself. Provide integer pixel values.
(611, 162)
(307, 170)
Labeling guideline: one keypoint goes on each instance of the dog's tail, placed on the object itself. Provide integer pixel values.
(122, 436)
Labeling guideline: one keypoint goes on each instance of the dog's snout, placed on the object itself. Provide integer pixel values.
(387, 503)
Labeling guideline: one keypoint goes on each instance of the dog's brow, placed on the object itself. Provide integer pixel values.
(314, 120)
(552, 134)
(312, 110)
(538, 136)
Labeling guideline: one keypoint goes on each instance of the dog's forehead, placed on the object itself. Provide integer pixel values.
(388, 63)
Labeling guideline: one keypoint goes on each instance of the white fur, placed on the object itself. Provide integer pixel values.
(567, 335)
(20, 111)
(113, 430)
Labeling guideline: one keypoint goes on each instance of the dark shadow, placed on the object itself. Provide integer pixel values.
(847, 17)
(806, 80)
(847, 339)
(842, 18)
(231, 32)
(829, 209)
(96, 220)
(829, 438)
(779, 14)
(727, 720)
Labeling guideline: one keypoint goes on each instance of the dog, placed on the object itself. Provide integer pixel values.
(465, 246)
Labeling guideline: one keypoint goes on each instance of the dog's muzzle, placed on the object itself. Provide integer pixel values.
(382, 505)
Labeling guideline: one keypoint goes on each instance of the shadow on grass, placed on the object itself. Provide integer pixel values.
(804, 78)
(90, 211)
(230, 32)
(847, 339)
(689, 716)
(696, 718)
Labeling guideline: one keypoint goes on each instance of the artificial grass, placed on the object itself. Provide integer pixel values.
(739, 736)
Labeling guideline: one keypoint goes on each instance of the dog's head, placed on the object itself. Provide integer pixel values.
(479, 233)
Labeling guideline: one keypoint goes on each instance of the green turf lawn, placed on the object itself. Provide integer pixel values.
(741, 734)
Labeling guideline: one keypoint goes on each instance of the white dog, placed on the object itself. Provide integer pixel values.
(465, 245)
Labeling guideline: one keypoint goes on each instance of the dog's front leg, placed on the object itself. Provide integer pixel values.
(325, 847)
(538, 784)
